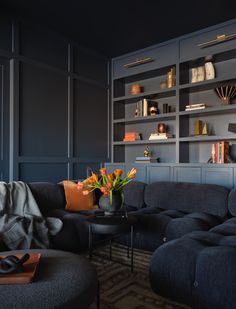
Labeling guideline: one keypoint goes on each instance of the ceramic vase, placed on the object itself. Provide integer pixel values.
(210, 70)
(110, 207)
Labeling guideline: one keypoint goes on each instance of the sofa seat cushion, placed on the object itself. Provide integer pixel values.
(188, 197)
(74, 233)
(199, 268)
(156, 226)
(191, 222)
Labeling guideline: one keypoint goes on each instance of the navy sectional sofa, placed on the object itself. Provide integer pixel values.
(191, 228)
(199, 269)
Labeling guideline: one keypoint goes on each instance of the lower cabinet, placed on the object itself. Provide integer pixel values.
(158, 173)
(187, 174)
(206, 174)
(218, 176)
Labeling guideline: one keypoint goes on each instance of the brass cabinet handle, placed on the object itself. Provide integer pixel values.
(138, 61)
(218, 39)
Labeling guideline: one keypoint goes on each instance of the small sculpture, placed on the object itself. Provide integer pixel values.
(161, 127)
(226, 93)
(135, 89)
(146, 152)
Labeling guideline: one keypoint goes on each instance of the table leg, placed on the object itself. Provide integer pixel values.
(98, 295)
(131, 247)
(90, 242)
(110, 250)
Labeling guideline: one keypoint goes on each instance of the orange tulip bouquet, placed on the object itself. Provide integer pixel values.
(107, 183)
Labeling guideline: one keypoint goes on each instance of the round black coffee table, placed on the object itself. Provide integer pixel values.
(111, 226)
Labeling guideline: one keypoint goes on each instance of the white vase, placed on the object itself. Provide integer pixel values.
(210, 70)
(194, 75)
(200, 73)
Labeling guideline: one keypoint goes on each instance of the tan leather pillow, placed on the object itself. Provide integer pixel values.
(75, 200)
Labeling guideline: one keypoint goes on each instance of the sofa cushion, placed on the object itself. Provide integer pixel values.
(76, 200)
(188, 197)
(232, 202)
(134, 194)
(48, 195)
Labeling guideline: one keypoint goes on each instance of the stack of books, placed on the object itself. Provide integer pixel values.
(220, 152)
(131, 136)
(193, 107)
(155, 136)
(145, 160)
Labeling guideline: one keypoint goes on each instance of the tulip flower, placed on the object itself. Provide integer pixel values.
(85, 192)
(118, 172)
(103, 189)
(103, 171)
(109, 185)
(80, 185)
(110, 177)
(132, 173)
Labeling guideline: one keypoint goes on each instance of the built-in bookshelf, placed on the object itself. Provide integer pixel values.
(184, 55)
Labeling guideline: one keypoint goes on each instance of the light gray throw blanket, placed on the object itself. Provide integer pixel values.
(22, 225)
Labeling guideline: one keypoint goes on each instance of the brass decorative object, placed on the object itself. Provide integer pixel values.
(198, 127)
(138, 61)
(204, 129)
(226, 93)
(146, 152)
(217, 40)
(171, 78)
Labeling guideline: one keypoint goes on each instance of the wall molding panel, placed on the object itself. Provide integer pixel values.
(51, 122)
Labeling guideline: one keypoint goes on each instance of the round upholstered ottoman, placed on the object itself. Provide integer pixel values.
(62, 280)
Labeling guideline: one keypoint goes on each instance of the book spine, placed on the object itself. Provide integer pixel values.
(145, 107)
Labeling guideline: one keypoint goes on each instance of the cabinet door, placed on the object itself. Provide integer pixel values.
(218, 175)
(145, 60)
(187, 174)
(158, 173)
(206, 43)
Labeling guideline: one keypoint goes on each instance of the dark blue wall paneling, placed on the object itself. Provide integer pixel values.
(57, 90)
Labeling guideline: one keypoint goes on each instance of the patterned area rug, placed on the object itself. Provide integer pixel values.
(121, 289)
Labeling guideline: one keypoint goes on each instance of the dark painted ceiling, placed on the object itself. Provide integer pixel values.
(117, 27)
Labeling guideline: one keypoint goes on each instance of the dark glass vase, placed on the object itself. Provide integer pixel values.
(115, 205)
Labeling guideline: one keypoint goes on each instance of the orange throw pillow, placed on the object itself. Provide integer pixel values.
(75, 200)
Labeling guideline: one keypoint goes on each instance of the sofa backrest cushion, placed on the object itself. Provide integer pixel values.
(232, 202)
(134, 194)
(188, 197)
(48, 195)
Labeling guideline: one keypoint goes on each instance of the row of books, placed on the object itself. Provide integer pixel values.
(195, 106)
(132, 136)
(144, 107)
(220, 152)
